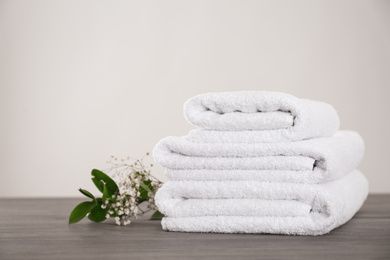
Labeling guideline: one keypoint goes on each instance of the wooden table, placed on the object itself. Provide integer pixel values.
(38, 229)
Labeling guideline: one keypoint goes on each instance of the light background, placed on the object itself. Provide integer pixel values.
(81, 80)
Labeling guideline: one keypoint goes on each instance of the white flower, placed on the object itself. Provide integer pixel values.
(129, 175)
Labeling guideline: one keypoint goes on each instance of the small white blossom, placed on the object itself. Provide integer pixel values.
(129, 176)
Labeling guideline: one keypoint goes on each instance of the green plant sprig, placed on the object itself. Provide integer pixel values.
(138, 187)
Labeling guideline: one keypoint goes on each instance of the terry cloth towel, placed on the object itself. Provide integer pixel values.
(314, 161)
(262, 116)
(261, 207)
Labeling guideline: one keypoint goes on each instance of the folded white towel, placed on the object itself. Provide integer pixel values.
(275, 116)
(261, 207)
(313, 161)
(311, 176)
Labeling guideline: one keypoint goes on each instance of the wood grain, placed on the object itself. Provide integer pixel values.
(38, 229)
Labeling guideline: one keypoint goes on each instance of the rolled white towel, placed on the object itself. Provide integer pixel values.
(313, 161)
(258, 116)
(261, 207)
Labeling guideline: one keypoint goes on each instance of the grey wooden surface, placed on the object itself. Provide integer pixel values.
(38, 229)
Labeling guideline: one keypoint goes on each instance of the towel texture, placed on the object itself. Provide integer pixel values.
(260, 162)
(261, 207)
(271, 117)
(313, 161)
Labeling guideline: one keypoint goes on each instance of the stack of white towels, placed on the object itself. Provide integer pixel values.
(260, 162)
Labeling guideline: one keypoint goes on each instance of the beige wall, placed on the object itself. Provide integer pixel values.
(80, 80)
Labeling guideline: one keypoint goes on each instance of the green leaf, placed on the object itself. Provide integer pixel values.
(144, 188)
(97, 184)
(106, 194)
(157, 215)
(80, 211)
(87, 193)
(110, 183)
(98, 214)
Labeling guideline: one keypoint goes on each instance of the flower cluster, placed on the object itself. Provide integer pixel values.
(136, 185)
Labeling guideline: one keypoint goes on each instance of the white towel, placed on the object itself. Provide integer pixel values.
(261, 207)
(313, 161)
(258, 116)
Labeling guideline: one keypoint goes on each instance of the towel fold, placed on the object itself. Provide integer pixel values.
(270, 117)
(260, 162)
(311, 161)
(261, 207)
